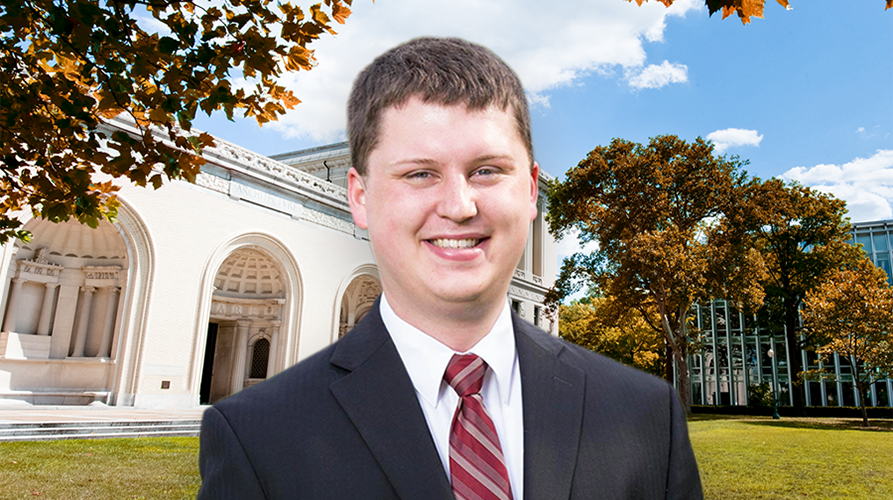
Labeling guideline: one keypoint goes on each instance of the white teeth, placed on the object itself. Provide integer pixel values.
(448, 243)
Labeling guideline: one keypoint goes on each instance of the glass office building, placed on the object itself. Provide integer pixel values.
(735, 353)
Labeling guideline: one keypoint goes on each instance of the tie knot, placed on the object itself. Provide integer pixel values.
(465, 373)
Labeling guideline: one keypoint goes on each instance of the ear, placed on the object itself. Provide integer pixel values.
(534, 189)
(356, 197)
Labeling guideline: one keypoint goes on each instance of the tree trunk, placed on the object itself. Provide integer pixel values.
(794, 357)
(679, 346)
(863, 392)
(668, 359)
(684, 387)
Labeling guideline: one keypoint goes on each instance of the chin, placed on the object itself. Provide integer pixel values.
(465, 295)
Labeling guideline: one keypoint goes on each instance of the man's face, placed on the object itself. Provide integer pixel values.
(447, 198)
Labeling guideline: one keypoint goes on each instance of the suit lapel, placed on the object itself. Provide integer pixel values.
(553, 393)
(378, 397)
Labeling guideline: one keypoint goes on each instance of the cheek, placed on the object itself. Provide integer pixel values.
(394, 218)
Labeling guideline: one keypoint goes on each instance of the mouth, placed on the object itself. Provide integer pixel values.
(456, 243)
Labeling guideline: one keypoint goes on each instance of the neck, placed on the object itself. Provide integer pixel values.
(458, 326)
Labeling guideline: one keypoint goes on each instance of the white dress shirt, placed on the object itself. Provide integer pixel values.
(426, 360)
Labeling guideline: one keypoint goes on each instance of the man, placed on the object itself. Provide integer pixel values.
(440, 392)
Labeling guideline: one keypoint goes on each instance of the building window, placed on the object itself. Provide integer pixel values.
(260, 356)
(537, 231)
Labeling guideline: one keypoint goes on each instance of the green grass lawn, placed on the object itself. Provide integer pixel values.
(760, 458)
(739, 458)
(99, 469)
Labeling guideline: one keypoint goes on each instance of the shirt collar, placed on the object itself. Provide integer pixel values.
(426, 359)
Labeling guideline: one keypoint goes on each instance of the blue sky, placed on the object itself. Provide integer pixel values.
(804, 94)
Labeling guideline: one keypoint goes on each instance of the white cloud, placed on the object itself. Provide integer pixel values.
(731, 137)
(865, 183)
(151, 25)
(548, 46)
(860, 130)
(654, 76)
(571, 244)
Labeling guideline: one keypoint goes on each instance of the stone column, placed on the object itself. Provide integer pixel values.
(63, 321)
(46, 310)
(80, 338)
(111, 310)
(240, 346)
(274, 342)
(9, 323)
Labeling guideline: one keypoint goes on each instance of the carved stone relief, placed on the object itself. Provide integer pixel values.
(212, 182)
(42, 272)
(327, 220)
(233, 308)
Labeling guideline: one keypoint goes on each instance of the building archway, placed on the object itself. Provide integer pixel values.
(251, 294)
(67, 294)
(64, 290)
(357, 298)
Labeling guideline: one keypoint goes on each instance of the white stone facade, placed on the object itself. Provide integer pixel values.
(199, 290)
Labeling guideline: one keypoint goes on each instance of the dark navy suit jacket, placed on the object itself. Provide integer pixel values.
(346, 424)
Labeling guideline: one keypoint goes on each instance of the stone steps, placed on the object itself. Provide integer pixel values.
(45, 431)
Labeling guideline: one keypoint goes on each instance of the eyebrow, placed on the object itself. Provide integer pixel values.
(430, 161)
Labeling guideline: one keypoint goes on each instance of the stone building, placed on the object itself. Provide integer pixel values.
(199, 290)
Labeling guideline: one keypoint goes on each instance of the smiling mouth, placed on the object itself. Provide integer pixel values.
(451, 243)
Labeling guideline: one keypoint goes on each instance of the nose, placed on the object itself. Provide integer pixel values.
(457, 199)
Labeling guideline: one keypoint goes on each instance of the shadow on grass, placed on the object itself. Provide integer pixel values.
(832, 424)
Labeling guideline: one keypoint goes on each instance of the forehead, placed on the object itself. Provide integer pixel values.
(419, 127)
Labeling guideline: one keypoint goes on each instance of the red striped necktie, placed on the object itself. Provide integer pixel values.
(477, 466)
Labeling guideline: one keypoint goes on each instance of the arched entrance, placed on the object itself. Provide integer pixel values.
(62, 307)
(357, 300)
(247, 306)
(63, 293)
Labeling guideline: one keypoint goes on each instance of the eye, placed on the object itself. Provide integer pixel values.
(487, 172)
(418, 175)
(420, 178)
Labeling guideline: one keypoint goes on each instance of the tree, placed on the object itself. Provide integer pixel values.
(593, 322)
(744, 8)
(66, 65)
(851, 313)
(665, 217)
(803, 237)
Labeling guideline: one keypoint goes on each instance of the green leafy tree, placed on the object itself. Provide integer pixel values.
(594, 323)
(851, 315)
(744, 8)
(666, 219)
(67, 65)
(803, 236)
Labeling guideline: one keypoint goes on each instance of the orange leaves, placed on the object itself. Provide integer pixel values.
(80, 62)
(744, 8)
(889, 4)
(321, 18)
(625, 336)
(851, 314)
(299, 58)
(286, 97)
(656, 211)
(341, 12)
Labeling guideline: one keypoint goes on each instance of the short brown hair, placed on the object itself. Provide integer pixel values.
(445, 71)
